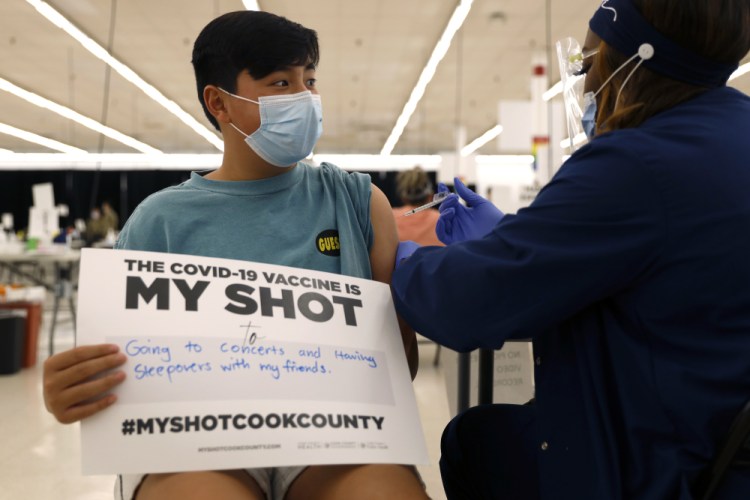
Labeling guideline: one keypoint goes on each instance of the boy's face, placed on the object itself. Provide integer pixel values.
(288, 80)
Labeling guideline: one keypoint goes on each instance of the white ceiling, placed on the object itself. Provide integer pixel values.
(373, 52)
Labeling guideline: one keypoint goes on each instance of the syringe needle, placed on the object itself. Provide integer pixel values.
(437, 199)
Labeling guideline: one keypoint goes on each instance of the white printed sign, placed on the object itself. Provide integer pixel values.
(234, 364)
(512, 380)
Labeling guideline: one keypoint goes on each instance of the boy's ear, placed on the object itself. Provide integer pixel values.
(215, 103)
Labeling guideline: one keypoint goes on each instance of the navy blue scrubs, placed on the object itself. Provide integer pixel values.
(631, 273)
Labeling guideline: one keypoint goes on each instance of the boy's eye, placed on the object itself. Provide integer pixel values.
(281, 83)
(311, 82)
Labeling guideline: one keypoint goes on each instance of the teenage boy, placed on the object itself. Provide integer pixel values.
(255, 74)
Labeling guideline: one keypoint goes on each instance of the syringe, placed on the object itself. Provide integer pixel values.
(437, 199)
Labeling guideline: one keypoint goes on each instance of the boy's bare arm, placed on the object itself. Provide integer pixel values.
(382, 258)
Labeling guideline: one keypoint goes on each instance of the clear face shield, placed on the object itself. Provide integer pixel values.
(570, 56)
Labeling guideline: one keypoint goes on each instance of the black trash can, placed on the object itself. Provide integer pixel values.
(11, 341)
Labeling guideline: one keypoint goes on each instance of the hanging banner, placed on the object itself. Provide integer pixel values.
(234, 364)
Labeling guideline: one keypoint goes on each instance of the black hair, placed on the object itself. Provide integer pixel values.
(257, 42)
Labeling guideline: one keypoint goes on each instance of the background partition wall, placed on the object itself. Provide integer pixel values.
(123, 189)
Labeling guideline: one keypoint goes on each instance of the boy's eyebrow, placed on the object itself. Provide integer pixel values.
(287, 67)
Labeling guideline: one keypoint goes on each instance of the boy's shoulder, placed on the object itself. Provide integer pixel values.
(168, 193)
(334, 172)
(327, 169)
(153, 210)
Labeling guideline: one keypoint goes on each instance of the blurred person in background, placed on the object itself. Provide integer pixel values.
(414, 188)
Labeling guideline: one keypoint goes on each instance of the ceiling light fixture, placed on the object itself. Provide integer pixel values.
(68, 113)
(742, 70)
(38, 139)
(100, 52)
(553, 91)
(250, 4)
(481, 140)
(454, 24)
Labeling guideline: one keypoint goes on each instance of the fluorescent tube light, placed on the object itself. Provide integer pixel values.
(250, 4)
(68, 113)
(553, 91)
(100, 52)
(481, 140)
(454, 24)
(742, 70)
(37, 139)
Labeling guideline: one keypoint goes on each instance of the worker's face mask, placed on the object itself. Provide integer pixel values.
(290, 125)
(588, 119)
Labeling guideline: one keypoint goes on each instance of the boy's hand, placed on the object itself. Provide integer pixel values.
(72, 390)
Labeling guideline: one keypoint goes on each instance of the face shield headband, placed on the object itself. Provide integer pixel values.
(619, 23)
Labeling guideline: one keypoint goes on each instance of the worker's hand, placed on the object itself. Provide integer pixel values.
(75, 385)
(470, 222)
(405, 249)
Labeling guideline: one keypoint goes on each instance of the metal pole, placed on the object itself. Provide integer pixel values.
(486, 378)
(464, 381)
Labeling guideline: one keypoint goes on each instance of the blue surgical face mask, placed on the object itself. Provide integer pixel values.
(290, 125)
(588, 119)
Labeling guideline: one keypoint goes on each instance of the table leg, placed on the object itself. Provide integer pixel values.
(72, 306)
(486, 376)
(63, 289)
(52, 326)
(464, 381)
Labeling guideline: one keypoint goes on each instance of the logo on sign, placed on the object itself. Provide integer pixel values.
(328, 243)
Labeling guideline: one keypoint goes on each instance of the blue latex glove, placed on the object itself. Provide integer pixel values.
(470, 222)
(405, 249)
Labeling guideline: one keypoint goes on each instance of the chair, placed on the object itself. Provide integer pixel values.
(733, 452)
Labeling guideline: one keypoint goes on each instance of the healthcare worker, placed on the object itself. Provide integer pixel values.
(630, 272)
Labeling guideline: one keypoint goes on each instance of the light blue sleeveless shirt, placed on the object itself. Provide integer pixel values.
(310, 217)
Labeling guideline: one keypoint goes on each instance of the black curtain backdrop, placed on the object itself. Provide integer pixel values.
(124, 190)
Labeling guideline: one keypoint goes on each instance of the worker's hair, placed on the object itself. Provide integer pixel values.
(717, 29)
(414, 186)
(253, 41)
